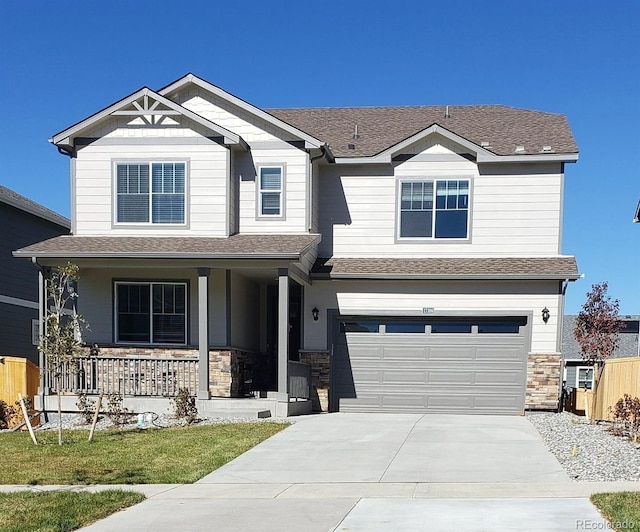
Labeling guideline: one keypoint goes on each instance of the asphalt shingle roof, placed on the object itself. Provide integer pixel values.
(451, 268)
(503, 128)
(250, 246)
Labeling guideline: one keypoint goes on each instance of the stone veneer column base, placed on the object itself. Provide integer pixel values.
(543, 381)
(320, 372)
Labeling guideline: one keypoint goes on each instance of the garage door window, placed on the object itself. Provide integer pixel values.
(451, 327)
(405, 327)
(499, 327)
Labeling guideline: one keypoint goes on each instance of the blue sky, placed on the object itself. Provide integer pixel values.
(61, 63)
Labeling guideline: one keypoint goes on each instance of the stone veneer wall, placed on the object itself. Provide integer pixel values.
(543, 381)
(228, 368)
(320, 367)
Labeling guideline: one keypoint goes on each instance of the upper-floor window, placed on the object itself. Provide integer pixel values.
(270, 192)
(150, 193)
(436, 208)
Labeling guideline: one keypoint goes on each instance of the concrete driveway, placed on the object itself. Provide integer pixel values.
(380, 473)
(398, 448)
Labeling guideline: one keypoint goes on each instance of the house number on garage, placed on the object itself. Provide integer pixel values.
(428, 310)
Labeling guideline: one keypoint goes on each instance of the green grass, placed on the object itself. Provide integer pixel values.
(153, 456)
(60, 510)
(621, 509)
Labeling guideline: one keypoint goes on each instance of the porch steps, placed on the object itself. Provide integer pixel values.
(237, 408)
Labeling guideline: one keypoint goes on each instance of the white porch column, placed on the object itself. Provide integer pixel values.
(203, 333)
(283, 335)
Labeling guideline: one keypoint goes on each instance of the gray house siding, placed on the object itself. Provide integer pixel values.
(19, 280)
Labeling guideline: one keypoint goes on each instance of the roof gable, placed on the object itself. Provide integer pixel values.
(149, 107)
(494, 132)
(171, 90)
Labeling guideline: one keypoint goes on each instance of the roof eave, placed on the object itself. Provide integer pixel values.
(448, 276)
(146, 255)
(529, 158)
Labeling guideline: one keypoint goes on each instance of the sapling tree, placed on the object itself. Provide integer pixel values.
(596, 331)
(60, 341)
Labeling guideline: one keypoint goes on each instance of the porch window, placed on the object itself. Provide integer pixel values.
(151, 313)
(434, 209)
(271, 191)
(150, 193)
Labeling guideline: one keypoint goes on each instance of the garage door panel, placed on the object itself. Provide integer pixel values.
(447, 353)
(473, 373)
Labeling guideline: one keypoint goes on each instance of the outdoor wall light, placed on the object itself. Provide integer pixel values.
(315, 313)
(545, 314)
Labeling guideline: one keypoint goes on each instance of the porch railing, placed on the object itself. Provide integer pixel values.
(299, 380)
(127, 376)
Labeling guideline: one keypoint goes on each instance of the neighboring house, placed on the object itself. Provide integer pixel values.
(23, 222)
(411, 255)
(579, 374)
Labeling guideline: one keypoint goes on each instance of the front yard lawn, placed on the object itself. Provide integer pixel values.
(178, 455)
(621, 509)
(60, 510)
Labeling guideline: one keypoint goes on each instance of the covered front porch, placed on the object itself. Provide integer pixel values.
(222, 327)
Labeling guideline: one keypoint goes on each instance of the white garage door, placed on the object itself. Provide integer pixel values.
(455, 365)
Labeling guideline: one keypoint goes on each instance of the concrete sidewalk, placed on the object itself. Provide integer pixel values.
(377, 473)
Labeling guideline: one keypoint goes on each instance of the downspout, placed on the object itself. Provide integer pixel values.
(323, 153)
(565, 284)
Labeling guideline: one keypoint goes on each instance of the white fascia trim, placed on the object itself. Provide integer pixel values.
(387, 155)
(310, 142)
(542, 157)
(636, 220)
(64, 137)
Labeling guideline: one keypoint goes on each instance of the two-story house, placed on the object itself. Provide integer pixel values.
(411, 255)
(23, 222)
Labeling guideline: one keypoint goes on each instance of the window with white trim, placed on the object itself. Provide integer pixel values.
(436, 208)
(270, 191)
(151, 313)
(150, 193)
(584, 377)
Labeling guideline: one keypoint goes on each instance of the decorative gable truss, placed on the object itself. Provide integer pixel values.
(148, 109)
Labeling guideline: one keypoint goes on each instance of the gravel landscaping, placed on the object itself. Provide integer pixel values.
(76, 421)
(588, 452)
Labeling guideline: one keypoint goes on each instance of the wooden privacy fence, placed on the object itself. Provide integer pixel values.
(17, 375)
(620, 376)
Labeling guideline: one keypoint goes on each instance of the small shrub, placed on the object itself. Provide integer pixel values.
(626, 417)
(118, 414)
(7, 413)
(86, 406)
(185, 406)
